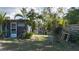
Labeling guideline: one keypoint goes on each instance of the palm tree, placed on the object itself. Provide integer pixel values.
(30, 16)
(2, 19)
(23, 13)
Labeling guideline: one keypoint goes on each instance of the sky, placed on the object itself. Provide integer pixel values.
(11, 11)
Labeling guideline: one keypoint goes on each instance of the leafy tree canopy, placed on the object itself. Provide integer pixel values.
(73, 15)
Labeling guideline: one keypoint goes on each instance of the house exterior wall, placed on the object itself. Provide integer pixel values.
(21, 28)
(7, 28)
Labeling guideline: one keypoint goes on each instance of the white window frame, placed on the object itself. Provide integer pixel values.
(11, 28)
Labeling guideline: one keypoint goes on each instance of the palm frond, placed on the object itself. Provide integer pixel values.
(18, 15)
(2, 17)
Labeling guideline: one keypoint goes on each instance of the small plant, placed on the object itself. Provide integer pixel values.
(28, 35)
(2, 34)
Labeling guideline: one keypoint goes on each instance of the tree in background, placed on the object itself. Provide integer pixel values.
(73, 15)
(48, 18)
(61, 12)
(33, 17)
(51, 18)
(30, 16)
(2, 19)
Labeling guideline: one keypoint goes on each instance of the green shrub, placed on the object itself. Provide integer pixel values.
(2, 33)
(74, 37)
(28, 35)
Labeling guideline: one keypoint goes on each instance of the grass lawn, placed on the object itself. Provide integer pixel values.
(36, 43)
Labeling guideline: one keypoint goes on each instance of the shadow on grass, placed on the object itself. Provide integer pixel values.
(38, 46)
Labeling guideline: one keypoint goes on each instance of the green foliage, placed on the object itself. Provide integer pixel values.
(28, 35)
(2, 17)
(48, 18)
(62, 22)
(32, 16)
(73, 15)
(2, 33)
(74, 37)
(23, 13)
